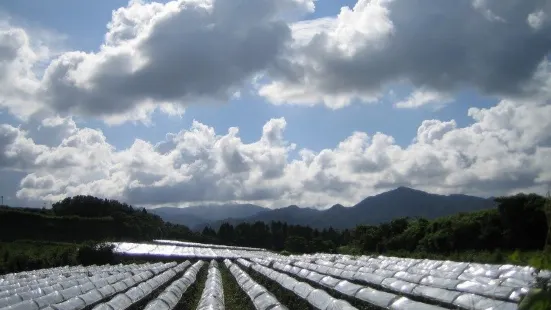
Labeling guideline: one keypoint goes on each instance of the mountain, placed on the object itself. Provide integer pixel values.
(193, 216)
(175, 216)
(405, 201)
(400, 202)
(291, 215)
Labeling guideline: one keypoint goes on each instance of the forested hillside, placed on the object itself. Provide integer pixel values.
(85, 218)
(517, 223)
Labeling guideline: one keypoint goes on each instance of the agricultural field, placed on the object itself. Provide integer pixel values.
(185, 275)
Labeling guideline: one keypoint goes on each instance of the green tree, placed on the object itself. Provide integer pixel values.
(226, 234)
(296, 244)
(547, 210)
(96, 254)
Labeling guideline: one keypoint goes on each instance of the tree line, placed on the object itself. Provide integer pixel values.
(86, 218)
(518, 223)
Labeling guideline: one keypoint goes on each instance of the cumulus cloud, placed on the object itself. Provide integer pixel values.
(17, 151)
(494, 46)
(165, 56)
(502, 152)
(17, 79)
(423, 97)
(537, 19)
(154, 56)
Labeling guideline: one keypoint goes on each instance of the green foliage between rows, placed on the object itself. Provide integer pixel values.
(284, 296)
(234, 296)
(192, 296)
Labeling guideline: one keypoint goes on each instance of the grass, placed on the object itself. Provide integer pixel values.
(284, 296)
(537, 299)
(234, 296)
(190, 299)
(144, 301)
(30, 255)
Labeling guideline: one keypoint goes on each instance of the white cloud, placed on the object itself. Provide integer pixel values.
(482, 7)
(502, 152)
(433, 130)
(17, 80)
(443, 46)
(154, 56)
(537, 19)
(423, 97)
(162, 57)
(17, 151)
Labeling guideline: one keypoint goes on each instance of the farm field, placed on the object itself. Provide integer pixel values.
(204, 276)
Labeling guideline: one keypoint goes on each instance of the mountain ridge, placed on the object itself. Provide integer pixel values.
(195, 215)
(399, 202)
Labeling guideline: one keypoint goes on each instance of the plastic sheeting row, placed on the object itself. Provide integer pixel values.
(55, 275)
(415, 284)
(319, 299)
(40, 273)
(261, 298)
(506, 275)
(125, 300)
(11, 296)
(507, 289)
(129, 248)
(520, 276)
(206, 245)
(82, 289)
(170, 297)
(37, 272)
(25, 278)
(399, 287)
(378, 298)
(61, 283)
(212, 297)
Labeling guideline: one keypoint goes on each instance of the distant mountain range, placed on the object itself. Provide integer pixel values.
(197, 215)
(400, 202)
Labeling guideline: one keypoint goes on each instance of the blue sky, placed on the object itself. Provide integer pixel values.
(483, 75)
(84, 24)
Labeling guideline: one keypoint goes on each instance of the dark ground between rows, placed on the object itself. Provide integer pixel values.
(191, 297)
(234, 296)
(142, 303)
(283, 295)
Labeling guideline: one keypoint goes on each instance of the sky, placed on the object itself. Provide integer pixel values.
(272, 102)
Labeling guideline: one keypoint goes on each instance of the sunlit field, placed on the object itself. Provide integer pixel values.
(169, 275)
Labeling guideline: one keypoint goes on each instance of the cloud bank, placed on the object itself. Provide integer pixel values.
(501, 152)
(164, 57)
(495, 46)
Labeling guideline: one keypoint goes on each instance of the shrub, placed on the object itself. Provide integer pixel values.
(96, 254)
